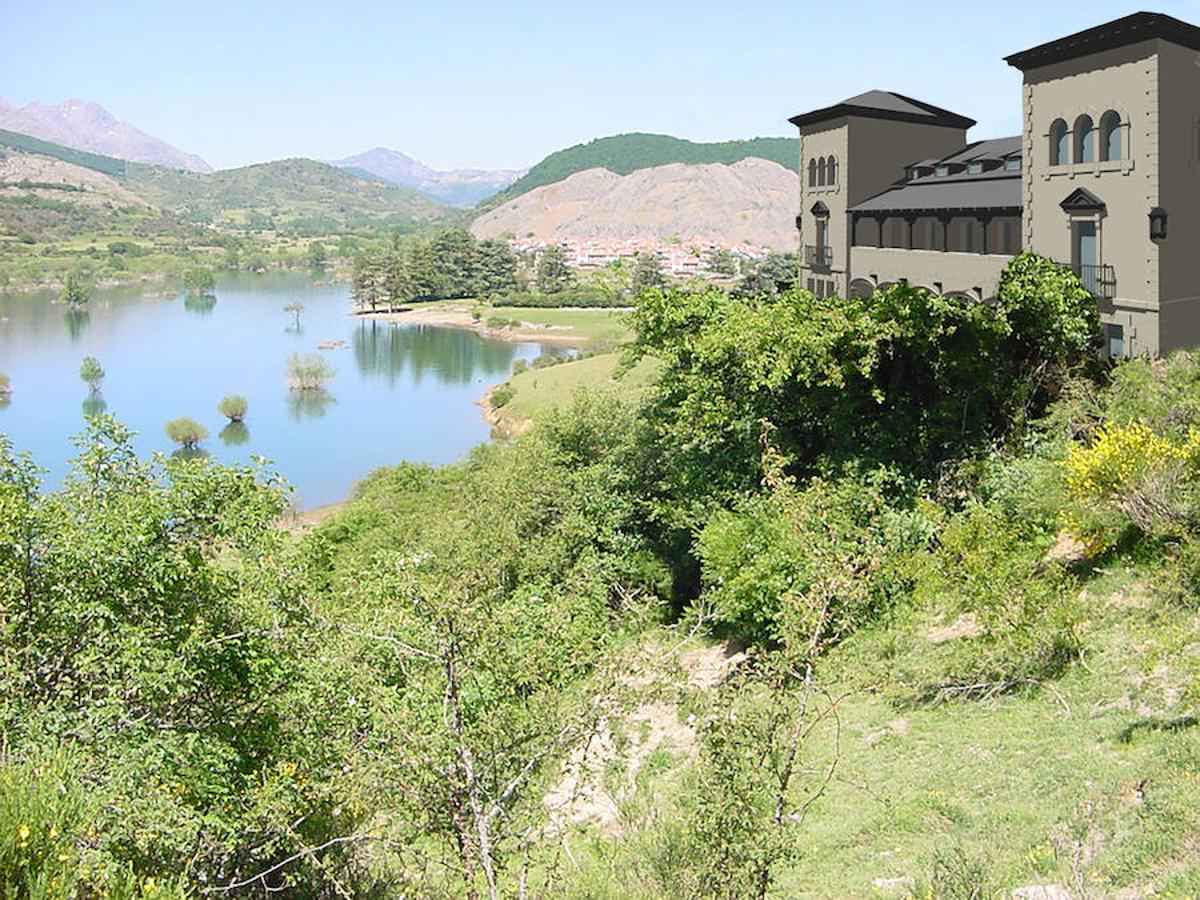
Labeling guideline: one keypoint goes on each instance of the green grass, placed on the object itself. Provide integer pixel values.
(592, 325)
(537, 391)
(1091, 783)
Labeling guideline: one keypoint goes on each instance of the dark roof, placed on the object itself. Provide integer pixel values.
(948, 194)
(885, 105)
(996, 148)
(1133, 29)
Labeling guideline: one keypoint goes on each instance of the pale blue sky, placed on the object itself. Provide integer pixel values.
(501, 84)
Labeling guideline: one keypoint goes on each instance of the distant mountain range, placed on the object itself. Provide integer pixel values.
(752, 201)
(291, 196)
(458, 187)
(626, 153)
(82, 125)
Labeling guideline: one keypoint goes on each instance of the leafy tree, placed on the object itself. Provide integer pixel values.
(186, 432)
(647, 274)
(199, 281)
(76, 291)
(92, 372)
(496, 269)
(366, 288)
(233, 407)
(553, 273)
(721, 262)
(317, 254)
(309, 372)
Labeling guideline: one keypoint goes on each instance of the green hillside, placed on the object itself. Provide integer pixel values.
(625, 153)
(27, 144)
(252, 217)
(296, 196)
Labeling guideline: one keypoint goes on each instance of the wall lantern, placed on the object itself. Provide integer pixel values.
(1158, 224)
(799, 219)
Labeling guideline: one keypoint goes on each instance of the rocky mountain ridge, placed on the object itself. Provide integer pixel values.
(83, 125)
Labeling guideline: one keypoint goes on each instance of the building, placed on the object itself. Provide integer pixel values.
(1105, 179)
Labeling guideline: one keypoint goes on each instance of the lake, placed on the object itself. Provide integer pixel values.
(401, 392)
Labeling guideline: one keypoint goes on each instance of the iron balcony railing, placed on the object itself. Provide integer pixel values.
(821, 257)
(1100, 280)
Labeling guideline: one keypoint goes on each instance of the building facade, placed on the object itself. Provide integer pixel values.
(1104, 179)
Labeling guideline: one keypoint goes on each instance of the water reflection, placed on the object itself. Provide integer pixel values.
(452, 356)
(309, 404)
(200, 304)
(190, 453)
(5, 399)
(94, 405)
(235, 434)
(76, 320)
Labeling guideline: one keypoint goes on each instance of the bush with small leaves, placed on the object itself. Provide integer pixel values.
(92, 372)
(309, 372)
(233, 407)
(186, 432)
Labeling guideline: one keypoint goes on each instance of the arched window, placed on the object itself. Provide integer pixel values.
(821, 171)
(1110, 136)
(1059, 144)
(832, 170)
(812, 173)
(1085, 140)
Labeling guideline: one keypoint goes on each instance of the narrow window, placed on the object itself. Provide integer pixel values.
(1110, 136)
(832, 170)
(1006, 236)
(1059, 136)
(1116, 341)
(941, 170)
(970, 237)
(821, 171)
(812, 173)
(975, 168)
(1085, 140)
(1012, 164)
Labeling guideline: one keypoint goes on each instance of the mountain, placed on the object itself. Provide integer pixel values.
(626, 153)
(457, 187)
(300, 197)
(752, 201)
(88, 126)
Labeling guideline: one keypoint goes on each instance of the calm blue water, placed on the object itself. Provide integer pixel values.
(400, 393)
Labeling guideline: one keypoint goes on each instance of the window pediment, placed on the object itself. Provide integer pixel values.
(819, 209)
(1081, 200)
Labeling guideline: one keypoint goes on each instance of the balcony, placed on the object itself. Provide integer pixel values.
(1101, 281)
(818, 257)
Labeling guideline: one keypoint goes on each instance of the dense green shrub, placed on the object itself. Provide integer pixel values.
(501, 395)
(91, 372)
(186, 432)
(782, 563)
(576, 295)
(154, 634)
(997, 613)
(233, 407)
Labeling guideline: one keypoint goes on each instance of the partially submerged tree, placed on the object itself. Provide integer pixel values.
(233, 407)
(296, 308)
(5, 385)
(76, 291)
(309, 372)
(199, 281)
(92, 372)
(186, 432)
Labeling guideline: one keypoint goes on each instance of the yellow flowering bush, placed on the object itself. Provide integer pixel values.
(1132, 470)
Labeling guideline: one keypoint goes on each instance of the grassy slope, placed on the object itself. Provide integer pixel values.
(625, 153)
(593, 325)
(1091, 784)
(540, 390)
